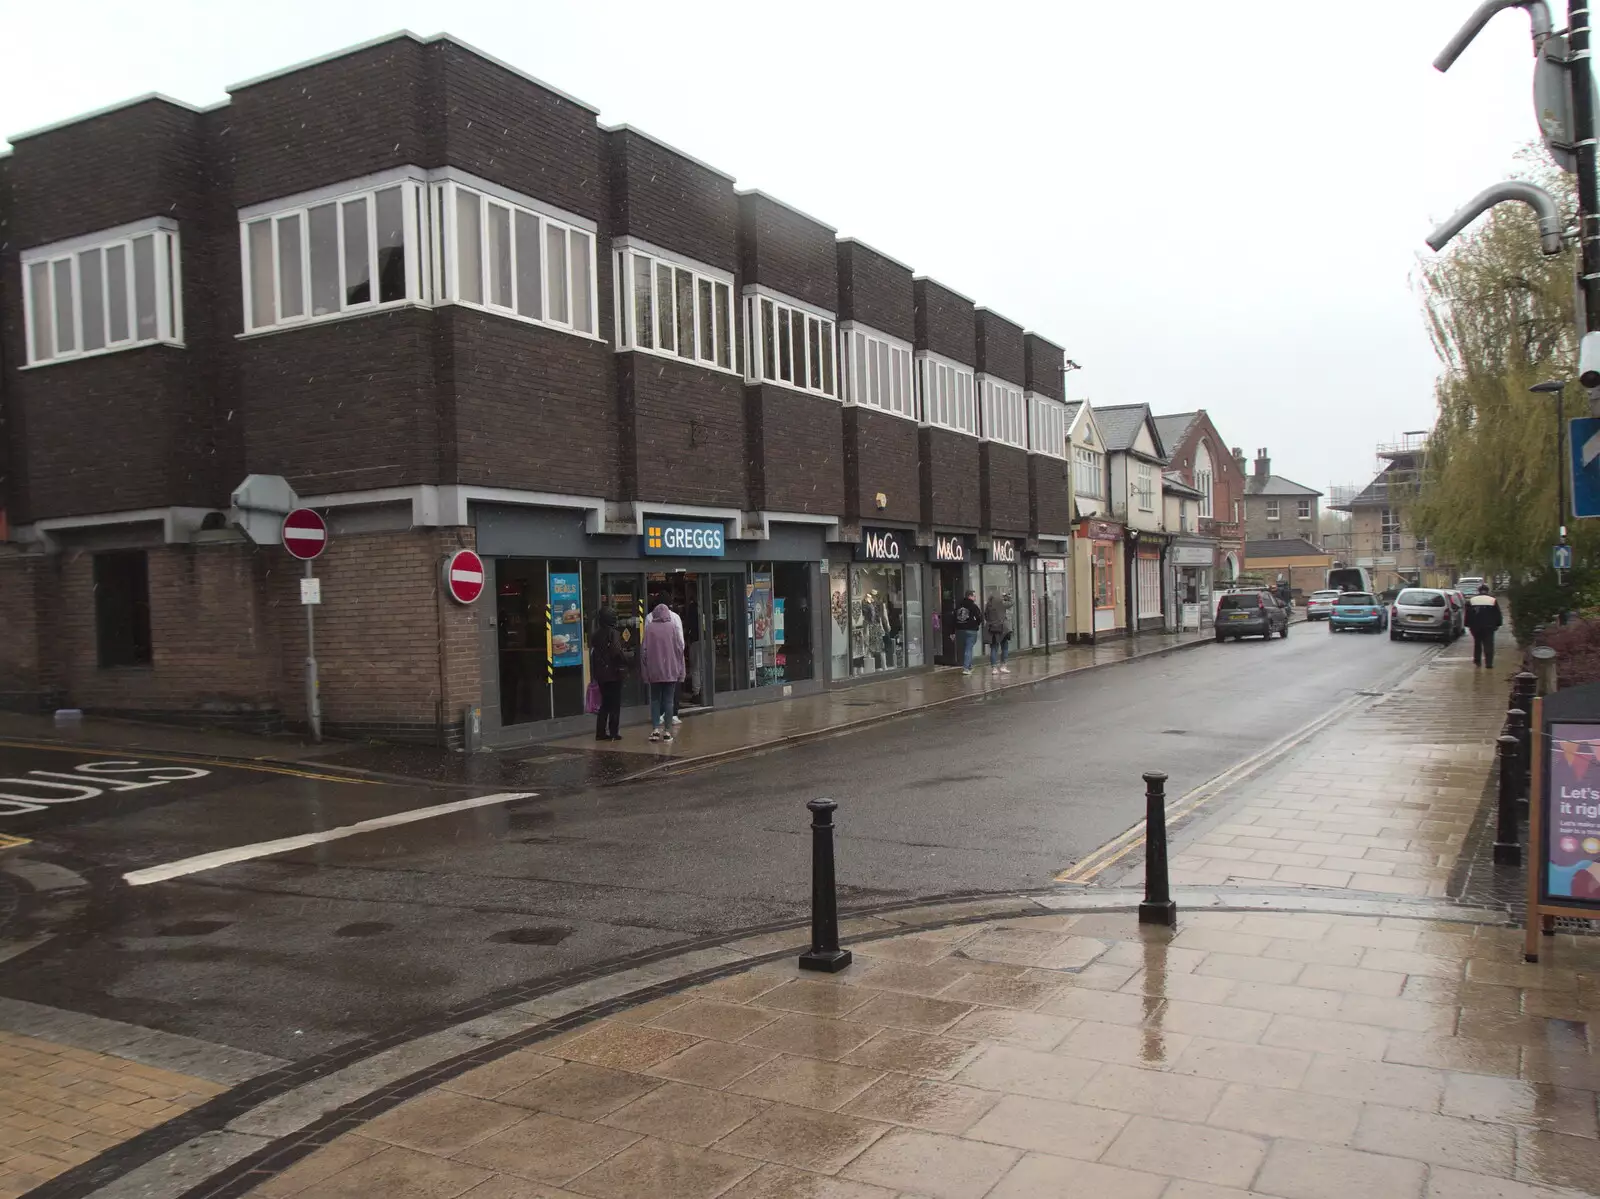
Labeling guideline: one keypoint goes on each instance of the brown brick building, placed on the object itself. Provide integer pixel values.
(453, 310)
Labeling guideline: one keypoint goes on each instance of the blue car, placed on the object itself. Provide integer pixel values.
(1358, 610)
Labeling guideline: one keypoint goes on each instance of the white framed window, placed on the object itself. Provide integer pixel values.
(105, 292)
(788, 344)
(1303, 509)
(1272, 509)
(512, 258)
(876, 370)
(1144, 487)
(1389, 530)
(1147, 577)
(1088, 472)
(1005, 413)
(947, 394)
(330, 254)
(1047, 426)
(676, 310)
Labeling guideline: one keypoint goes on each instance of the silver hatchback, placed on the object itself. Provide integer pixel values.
(1422, 612)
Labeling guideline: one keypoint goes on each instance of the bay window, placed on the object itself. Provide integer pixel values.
(1047, 426)
(946, 394)
(787, 344)
(876, 371)
(1004, 413)
(1088, 472)
(104, 292)
(1144, 487)
(664, 307)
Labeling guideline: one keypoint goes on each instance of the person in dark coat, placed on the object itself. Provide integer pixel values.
(608, 666)
(1483, 618)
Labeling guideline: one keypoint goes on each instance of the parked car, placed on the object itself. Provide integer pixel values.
(1251, 614)
(1358, 610)
(1319, 605)
(1458, 611)
(1422, 612)
(1469, 584)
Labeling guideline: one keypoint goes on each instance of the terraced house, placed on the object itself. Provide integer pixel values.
(451, 309)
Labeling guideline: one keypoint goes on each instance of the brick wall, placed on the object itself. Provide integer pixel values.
(876, 290)
(788, 251)
(1042, 364)
(684, 432)
(22, 678)
(950, 494)
(796, 451)
(672, 201)
(945, 322)
(881, 453)
(1000, 347)
(1050, 494)
(1003, 472)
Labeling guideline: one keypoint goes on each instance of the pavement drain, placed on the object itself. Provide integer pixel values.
(192, 928)
(531, 936)
(363, 928)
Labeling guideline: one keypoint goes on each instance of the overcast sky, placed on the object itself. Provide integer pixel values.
(1211, 205)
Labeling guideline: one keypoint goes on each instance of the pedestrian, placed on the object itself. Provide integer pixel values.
(608, 666)
(997, 620)
(677, 692)
(969, 623)
(663, 668)
(1483, 618)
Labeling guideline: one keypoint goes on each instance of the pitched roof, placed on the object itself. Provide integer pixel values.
(1283, 547)
(1173, 482)
(1120, 425)
(1173, 427)
(1275, 485)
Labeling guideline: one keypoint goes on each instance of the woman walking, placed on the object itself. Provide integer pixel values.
(608, 665)
(663, 668)
(997, 620)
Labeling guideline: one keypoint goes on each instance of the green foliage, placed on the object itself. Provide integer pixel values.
(1538, 599)
(1501, 318)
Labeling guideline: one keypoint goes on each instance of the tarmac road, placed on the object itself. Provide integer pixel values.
(297, 951)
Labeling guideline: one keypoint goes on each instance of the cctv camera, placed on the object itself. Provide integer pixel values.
(1589, 360)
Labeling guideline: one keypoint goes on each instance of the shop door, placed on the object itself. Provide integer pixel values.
(949, 594)
(729, 635)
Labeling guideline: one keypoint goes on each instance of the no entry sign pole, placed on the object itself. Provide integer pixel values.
(305, 536)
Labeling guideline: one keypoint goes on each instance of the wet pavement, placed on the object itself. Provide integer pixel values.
(1298, 1055)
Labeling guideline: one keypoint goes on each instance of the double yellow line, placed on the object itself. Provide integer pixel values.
(1113, 851)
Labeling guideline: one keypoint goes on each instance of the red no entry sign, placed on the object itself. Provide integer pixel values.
(305, 534)
(463, 575)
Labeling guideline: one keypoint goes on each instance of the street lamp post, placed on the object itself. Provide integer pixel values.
(1556, 387)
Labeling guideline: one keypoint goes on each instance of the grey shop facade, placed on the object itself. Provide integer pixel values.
(752, 612)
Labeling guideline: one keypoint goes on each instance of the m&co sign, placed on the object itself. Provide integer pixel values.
(884, 545)
(949, 547)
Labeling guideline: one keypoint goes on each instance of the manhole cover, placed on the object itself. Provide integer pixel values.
(363, 928)
(192, 928)
(531, 936)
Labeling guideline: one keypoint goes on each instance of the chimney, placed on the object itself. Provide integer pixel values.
(1238, 460)
(1263, 464)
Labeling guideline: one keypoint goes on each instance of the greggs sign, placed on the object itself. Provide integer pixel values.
(686, 538)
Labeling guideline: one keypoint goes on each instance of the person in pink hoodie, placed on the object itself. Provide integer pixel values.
(663, 668)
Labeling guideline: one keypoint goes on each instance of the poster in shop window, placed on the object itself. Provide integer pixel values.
(566, 619)
(1572, 831)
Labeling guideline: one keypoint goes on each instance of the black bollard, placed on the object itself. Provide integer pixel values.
(1507, 844)
(1517, 727)
(1524, 686)
(1157, 907)
(824, 954)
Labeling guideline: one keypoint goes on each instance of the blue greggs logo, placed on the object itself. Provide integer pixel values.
(683, 538)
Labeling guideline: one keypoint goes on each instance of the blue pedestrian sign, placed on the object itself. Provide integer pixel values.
(1561, 557)
(1583, 444)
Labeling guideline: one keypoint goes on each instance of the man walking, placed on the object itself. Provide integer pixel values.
(997, 620)
(969, 622)
(1483, 618)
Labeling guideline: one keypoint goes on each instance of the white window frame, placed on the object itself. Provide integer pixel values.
(1147, 584)
(785, 311)
(723, 352)
(1088, 464)
(1004, 415)
(947, 393)
(167, 261)
(1388, 531)
(445, 187)
(1047, 426)
(876, 370)
(1144, 486)
(1272, 509)
(1302, 509)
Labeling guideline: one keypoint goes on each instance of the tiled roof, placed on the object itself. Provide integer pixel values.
(1173, 482)
(1283, 547)
(1120, 425)
(1275, 485)
(1171, 429)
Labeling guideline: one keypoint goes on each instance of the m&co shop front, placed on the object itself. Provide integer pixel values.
(751, 613)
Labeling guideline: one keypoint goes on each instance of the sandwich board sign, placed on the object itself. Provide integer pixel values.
(1564, 817)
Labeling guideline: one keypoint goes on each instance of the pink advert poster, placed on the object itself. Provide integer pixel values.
(1572, 829)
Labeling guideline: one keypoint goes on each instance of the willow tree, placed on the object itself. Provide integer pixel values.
(1500, 314)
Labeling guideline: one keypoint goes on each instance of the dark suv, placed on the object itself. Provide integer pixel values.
(1251, 614)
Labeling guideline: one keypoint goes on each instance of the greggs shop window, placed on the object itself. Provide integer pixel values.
(542, 608)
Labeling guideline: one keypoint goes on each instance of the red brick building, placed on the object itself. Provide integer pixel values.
(1202, 459)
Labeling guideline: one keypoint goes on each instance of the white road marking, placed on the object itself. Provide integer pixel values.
(262, 849)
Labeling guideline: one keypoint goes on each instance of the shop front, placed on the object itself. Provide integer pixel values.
(877, 620)
(751, 613)
(1097, 576)
(1146, 601)
(1192, 563)
(1048, 595)
(950, 557)
(999, 578)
